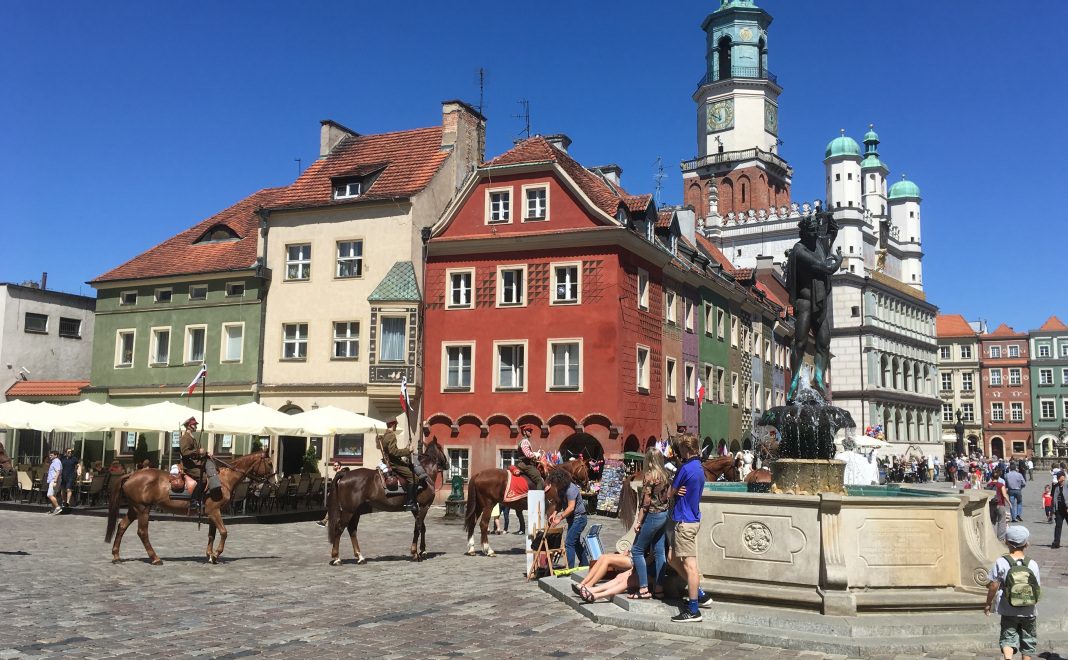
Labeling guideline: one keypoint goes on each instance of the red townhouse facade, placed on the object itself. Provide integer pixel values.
(544, 307)
(1006, 394)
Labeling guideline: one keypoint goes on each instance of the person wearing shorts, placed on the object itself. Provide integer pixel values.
(54, 470)
(687, 487)
(68, 475)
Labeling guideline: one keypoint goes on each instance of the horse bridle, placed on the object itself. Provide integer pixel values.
(254, 478)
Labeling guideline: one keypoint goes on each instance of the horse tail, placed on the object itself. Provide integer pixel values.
(473, 508)
(114, 497)
(333, 512)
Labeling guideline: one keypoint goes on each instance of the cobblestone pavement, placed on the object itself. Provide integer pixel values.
(274, 595)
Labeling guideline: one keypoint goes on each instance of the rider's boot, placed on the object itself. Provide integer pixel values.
(412, 490)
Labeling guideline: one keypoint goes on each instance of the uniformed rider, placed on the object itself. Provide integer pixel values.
(528, 461)
(400, 461)
(195, 458)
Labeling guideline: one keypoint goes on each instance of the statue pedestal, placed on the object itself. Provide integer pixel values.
(803, 476)
(455, 508)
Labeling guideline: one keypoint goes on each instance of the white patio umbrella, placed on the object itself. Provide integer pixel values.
(164, 416)
(18, 414)
(250, 419)
(329, 420)
(87, 416)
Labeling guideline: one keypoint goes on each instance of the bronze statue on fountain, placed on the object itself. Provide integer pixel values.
(806, 427)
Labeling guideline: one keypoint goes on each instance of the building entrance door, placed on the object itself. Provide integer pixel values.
(997, 447)
(291, 459)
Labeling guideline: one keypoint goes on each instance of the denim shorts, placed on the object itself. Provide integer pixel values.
(1019, 632)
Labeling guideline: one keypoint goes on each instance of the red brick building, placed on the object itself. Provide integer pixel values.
(544, 307)
(1006, 395)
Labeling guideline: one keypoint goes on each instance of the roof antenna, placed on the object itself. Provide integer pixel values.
(659, 178)
(297, 161)
(481, 90)
(525, 116)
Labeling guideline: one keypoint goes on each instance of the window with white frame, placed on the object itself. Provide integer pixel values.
(947, 412)
(298, 261)
(947, 381)
(294, 341)
(507, 458)
(997, 411)
(511, 366)
(128, 298)
(995, 351)
(160, 351)
(710, 320)
(721, 386)
(734, 331)
(767, 399)
(767, 350)
(688, 310)
(458, 363)
(642, 364)
(1043, 350)
(235, 289)
(511, 286)
(709, 383)
(195, 340)
(967, 412)
(643, 289)
(565, 366)
(1014, 350)
(967, 383)
(721, 324)
(1048, 409)
(348, 189)
(1015, 377)
(995, 376)
(1065, 402)
(346, 340)
(691, 382)
(747, 401)
(198, 291)
(1064, 348)
(233, 342)
(459, 463)
(670, 390)
(499, 205)
(1064, 376)
(966, 352)
(537, 202)
(565, 284)
(164, 295)
(669, 307)
(460, 288)
(944, 352)
(734, 389)
(1045, 376)
(393, 341)
(349, 259)
(1016, 409)
(124, 348)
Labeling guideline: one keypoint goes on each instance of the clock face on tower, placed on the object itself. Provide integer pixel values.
(771, 117)
(720, 115)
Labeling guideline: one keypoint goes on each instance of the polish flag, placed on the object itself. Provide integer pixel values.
(700, 394)
(406, 403)
(201, 375)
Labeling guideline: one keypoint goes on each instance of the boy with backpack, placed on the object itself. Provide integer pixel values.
(1014, 591)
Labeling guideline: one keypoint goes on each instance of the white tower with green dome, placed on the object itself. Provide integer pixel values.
(905, 201)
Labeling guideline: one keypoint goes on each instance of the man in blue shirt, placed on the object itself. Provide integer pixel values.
(686, 521)
(1015, 483)
(54, 470)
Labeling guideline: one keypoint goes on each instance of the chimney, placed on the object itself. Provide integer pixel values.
(612, 172)
(463, 127)
(44, 280)
(764, 263)
(559, 140)
(330, 134)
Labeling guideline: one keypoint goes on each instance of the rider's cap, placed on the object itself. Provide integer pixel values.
(192, 421)
(529, 429)
(391, 423)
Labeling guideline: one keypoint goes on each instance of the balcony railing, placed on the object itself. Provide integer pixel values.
(734, 156)
(746, 72)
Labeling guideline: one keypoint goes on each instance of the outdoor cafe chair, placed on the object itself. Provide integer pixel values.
(96, 487)
(26, 489)
(8, 485)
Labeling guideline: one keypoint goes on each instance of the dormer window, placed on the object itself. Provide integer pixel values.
(217, 234)
(348, 189)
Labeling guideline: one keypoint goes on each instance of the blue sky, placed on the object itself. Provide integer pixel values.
(124, 123)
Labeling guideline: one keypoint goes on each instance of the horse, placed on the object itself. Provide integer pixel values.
(486, 490)
(722, 466)
(363, 490)
(147, 488)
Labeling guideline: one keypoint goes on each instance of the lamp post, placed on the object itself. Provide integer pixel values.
(1062, 441)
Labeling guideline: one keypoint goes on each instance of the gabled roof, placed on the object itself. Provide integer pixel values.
(182, 255)
(953, 325)
(398, 285)
(637, 203)
(1003, 331)
(714, 252)
(410, 160)
(538, 150)
(1053, 324)
(663, 219)
(40, 388)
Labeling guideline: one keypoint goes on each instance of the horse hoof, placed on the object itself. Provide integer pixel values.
(471, 552)
(491, 554)
(212, 559)
(361, 561)
(157, 562)
(115, 560)
(335, 562)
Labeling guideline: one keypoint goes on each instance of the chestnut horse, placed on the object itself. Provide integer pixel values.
(486, 490)
(147, 488)
(363, 490)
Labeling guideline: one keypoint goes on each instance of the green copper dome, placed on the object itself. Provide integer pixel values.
(871, 161)
(727, 4)
(904, 189)
(871, 135)
(842, 146)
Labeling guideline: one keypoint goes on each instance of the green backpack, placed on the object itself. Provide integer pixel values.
(1021, 586)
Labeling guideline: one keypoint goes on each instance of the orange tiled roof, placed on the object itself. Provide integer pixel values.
(34, 388)
(410, 160)
(182, 255)
(1003, 331)
(637, 203)
(715, 253)
(952, 325)
(1052, 324)
(663, 219)
(538, 150)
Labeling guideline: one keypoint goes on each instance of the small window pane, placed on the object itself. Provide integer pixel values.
(393, 339)
(198, 292)
(234, 337)
(36, 323)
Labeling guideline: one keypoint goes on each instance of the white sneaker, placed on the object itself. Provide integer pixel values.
(56, 511)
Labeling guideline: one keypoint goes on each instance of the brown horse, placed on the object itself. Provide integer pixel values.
(147, 488)
(722, 466)
(486, 490)
(361, 491)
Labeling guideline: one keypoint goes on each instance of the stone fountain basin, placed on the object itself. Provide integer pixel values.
(875, 549)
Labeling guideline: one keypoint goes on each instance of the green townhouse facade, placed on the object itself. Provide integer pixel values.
(1049, 387)
(195, 299)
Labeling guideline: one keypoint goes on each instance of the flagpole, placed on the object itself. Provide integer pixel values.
(203, 402)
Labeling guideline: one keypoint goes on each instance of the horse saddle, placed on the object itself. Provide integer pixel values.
(517, 485)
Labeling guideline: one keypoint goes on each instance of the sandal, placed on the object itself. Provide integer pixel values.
(577, 588)
(586, 595)
(642, 594)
